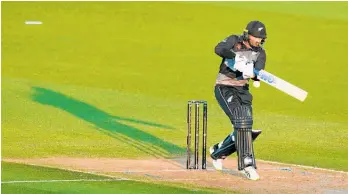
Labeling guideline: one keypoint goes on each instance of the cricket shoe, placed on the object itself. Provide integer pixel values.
(217, 163)
(250, 173)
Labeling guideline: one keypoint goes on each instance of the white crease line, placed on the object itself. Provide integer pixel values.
(72, 180)
(183, 170)
(194, 179)
(101, 180)
(303, 166)
(112, 178)
(164, 170)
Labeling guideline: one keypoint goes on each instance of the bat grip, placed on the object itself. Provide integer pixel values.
(256, 72)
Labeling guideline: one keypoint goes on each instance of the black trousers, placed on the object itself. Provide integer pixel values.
(230, 97)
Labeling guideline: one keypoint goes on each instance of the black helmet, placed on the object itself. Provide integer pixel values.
(257, 29)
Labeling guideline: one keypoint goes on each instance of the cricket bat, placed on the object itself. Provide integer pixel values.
(274, 81)
(281, 84)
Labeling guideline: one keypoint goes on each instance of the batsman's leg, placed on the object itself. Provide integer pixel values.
(227, 146)
(224, 148)
(225, 97)
(228, 100)
(221, 150)
(243, 121)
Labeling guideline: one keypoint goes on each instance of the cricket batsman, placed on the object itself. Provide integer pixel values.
(240, 55)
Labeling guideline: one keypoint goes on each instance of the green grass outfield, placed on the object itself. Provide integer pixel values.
(111, 79)
(19, 178)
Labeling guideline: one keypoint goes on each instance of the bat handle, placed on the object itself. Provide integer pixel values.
(256, 72)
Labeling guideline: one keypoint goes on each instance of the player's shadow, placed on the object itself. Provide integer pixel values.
(110, 124)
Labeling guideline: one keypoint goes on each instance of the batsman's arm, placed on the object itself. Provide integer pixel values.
(224, 48)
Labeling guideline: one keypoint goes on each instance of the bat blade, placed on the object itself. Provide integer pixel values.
(281, 85)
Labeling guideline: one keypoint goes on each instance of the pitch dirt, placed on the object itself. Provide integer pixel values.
(275, 178)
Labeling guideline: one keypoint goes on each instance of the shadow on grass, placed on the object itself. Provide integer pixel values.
(109, 124)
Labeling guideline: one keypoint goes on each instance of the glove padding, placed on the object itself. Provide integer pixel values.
(240, 62)
(248, 71)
